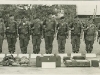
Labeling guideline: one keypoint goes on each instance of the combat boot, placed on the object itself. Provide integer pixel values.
(34, 52)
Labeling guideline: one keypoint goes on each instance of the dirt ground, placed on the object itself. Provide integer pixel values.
(59, 70)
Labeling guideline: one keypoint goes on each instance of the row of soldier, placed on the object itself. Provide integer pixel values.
(47, 30)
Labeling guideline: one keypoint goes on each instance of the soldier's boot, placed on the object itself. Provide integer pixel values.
(62, 51)
(1, 50)
(34, 52)
(59, 50)
(38, 51)
(47, 52)
(11, 52)
(90, 51)
(74, 51)
(25, 50)
(77, 51)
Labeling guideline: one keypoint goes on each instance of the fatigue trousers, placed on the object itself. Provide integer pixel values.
(75, 41)
(61, 44)
(36, 41)
(11, 44)
(89, 45)
(1, 42)
(23, 44)
(49, 44)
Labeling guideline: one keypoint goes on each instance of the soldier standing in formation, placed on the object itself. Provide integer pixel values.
(90, 36)
(36, 32)
(62, 34)
(24, 35)
(98, 29)
(11, 34)
(2, 33)
(76, 33)
(49, 31)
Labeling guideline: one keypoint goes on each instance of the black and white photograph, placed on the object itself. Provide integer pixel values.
(50, 37)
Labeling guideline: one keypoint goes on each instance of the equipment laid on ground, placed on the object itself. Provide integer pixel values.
(8, 60)
(24, 60)
(42, 59)
(66, 58)
(77, 63)
(94, 63)
(14, 61)
(78, 57)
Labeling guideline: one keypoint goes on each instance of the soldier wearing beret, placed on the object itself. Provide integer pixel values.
(36, 32)
(62, 34)
(90, 35)
(49, 27)
(76, 33)
(11, 34)
(24, 35)
(2, 33)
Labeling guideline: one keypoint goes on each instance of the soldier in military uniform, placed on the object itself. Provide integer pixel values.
(85, 25)
(11, 34)
(76, 32)
(98, 29)
(49, 26)
(24, 35)
(36, 32)
(2, 33)
(90, 36)
(62, 34)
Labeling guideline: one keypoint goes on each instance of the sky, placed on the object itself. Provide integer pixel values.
(83, 7)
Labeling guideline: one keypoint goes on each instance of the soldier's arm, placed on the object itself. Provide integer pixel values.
(57, 27)
(81, 30)
(6, 27)
(71, 27)
(43, 27)
(95, 32)
(16, 27)
(67, 30)
(29, 30)
(19, 28)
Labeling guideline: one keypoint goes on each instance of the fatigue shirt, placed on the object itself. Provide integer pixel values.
(11, 29)
(23, 30)
(49, 27)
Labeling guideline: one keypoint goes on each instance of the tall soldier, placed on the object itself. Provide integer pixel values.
(49, 31)
(76, 33)
(36, 32)
(11, 34)
(24, 35)
(90, 36)
(2, 33)
(62, 34)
